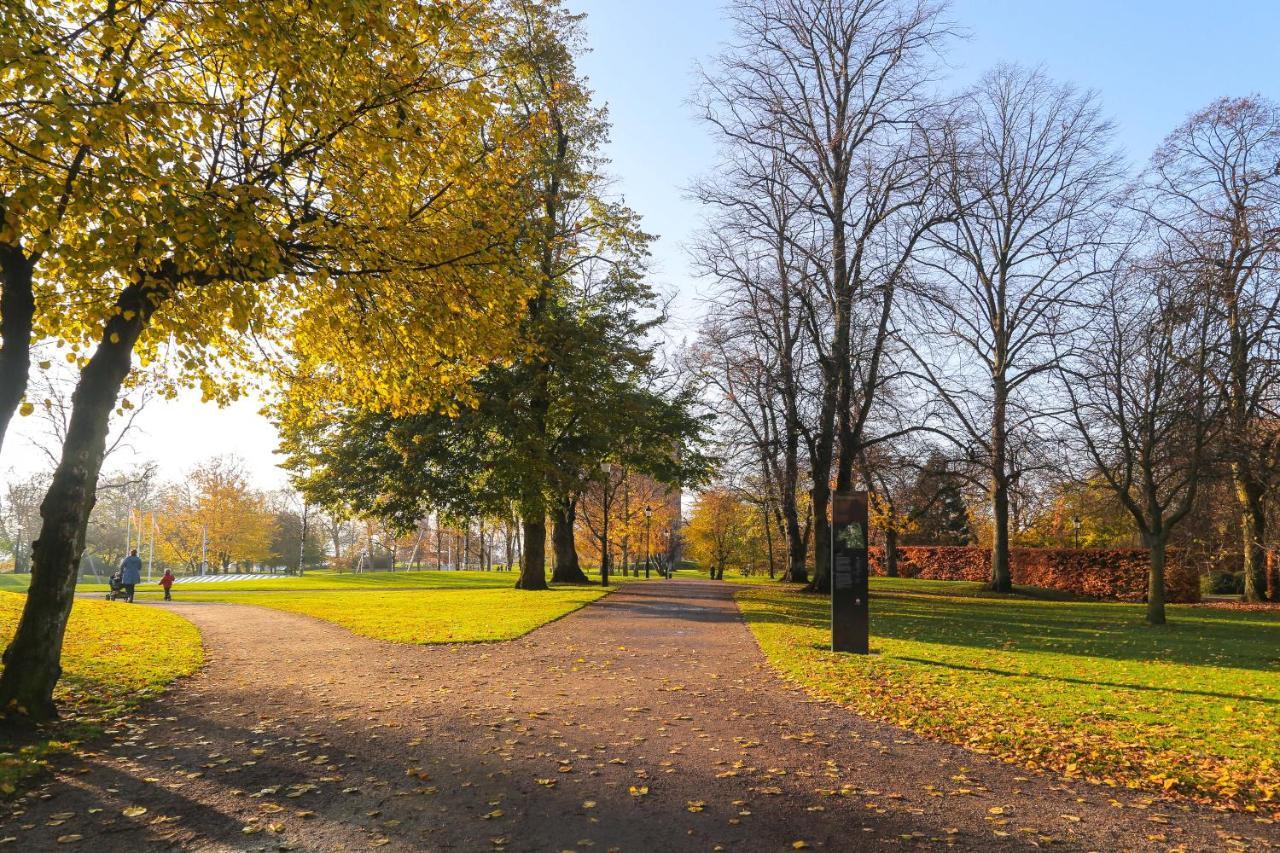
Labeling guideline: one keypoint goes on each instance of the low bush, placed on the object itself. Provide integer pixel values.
(1224, 583)
(1111, 574)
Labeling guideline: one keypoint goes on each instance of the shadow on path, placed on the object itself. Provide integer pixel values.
(646, 721)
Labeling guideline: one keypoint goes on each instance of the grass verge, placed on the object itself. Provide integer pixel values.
(114, 657)
(406, 607)
(1081, 688)
(427, 616)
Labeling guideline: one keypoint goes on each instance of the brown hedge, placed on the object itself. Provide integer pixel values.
(1111, 574)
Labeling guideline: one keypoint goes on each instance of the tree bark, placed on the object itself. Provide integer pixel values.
(533, 562)
(1253, 528)
(1155, 579)
(568, 569)
(17, 313)
(1001, 579)
(821, 581)
(890, 552)
(797, 543)
(32, 661)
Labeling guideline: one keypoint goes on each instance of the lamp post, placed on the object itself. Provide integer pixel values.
(648, 519)
(1075, 521)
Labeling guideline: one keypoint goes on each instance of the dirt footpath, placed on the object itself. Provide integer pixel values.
(647, 721)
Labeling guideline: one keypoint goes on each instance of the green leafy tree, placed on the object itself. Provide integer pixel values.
(579, 388)
(337, 197)
(936, 507)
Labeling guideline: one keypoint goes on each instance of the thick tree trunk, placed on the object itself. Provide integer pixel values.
(1155, 579)
(821, 581)
(533, 563)
(568, 569)
(890, 552)
(1253, 529)
(17, 311)
(1001, 579)
(797, 543)
(32, 661)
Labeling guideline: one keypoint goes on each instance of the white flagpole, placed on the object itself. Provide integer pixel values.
(151, 557)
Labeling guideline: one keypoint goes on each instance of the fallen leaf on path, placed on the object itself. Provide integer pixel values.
(134, 811)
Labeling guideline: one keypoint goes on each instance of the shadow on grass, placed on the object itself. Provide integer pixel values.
(1194, 636)
(1087, 682)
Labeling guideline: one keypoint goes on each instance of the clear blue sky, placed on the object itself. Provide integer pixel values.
(1152, 61)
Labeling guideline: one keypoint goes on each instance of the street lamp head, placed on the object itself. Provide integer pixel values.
(648, 512)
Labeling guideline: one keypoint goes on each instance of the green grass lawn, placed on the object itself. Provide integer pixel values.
(404, 607)
(1077, 687)
(114, 656)
(10, 582)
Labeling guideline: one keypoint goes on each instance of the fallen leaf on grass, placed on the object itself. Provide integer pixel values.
(134, 811)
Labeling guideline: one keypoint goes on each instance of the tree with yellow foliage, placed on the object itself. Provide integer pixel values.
(215, 511)
(331, 179)
(719, 531)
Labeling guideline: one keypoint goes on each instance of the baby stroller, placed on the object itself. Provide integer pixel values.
(117, 587)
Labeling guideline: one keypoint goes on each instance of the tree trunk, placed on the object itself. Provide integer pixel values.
(1253, 528)
(32, 661)
(797, 543)
(1155, 579)
(768, 537)
(507, 551)
(890, 552)
(533, 563)
(567, 569)
(1001, 579)
(821, 581)
(17, 310)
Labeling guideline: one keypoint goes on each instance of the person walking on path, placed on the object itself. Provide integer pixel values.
(130, 574)
(166, 581)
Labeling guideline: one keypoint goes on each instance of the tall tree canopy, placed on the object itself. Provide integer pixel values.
(334, 183)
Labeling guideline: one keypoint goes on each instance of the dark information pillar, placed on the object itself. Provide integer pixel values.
(850, 626)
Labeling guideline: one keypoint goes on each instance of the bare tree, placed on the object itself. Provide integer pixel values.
(1144, 404)
(1029, 174)
(1213, 191)
(755, 336)
(832, 92)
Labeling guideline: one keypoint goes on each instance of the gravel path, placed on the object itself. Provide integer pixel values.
(646, 721)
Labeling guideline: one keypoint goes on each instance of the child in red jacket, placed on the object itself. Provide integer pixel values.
(166, 581)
